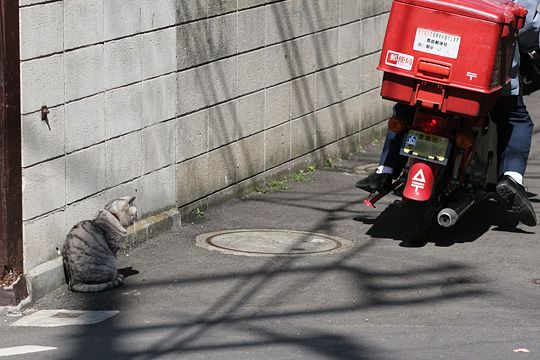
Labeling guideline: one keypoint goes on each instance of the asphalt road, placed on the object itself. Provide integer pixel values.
(469, 293)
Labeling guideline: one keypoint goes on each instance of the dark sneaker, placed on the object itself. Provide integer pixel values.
(509, 190)
(376, 182)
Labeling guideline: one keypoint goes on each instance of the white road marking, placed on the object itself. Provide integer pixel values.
(52, 318)
(26, 349)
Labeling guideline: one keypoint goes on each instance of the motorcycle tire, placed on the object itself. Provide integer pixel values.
(420, 221)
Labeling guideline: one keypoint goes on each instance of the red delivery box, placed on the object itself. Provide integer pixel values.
(453, 55)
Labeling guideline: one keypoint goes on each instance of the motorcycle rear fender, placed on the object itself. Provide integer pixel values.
(420, 181)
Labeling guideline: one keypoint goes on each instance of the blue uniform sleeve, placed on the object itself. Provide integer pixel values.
(529, 34)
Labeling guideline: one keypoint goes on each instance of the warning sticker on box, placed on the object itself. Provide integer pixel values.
(399, 60)
(437, 43)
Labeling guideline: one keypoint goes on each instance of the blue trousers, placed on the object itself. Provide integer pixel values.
(514, 134)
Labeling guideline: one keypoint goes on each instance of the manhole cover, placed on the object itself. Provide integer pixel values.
(272, 243)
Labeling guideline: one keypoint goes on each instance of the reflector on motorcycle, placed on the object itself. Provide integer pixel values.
(396, 125)
(420, 181)
(430, 123)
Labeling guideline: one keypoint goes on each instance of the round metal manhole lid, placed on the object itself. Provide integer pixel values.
(266, 242)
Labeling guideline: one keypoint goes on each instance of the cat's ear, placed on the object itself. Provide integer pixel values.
(131, 200)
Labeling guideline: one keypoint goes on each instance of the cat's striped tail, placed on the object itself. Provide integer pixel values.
(86, 288)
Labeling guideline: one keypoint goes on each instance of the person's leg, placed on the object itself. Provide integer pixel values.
(391, 162)
(514, 130)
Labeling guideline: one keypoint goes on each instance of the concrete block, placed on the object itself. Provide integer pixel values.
(277, 145)
(387, 109)
(244, 4)
(218, 7)
(328, 124)
(303, 96)
(123, 159)
(158, 146)
(157, 14)
(279, 63)
(85, 122)
(222, 167)
(42, 237)
(326, 45)
(349, 42)
(192, 90)
(370, 32)
(313, 16)
(350, 10)
(350, 110)
(159, 190)
(250, 114)
(278, 105)
(219, 197)
(31, 2)
(41, 141)
(370, 108)
(158, 52)
(191, 135)
(251, 71)
(42, 83)
(304, 54)
(122, 61)
(251, 29)
(279, 22)
(192, 44)
(192, 180)
(44, 188)
(84, 23)
(85, 172)
(84, 72)
(349, 78)
(86, 209)
(158, 99)
(122, 18)
(372, 134)
(222, 80)
(384, 23)
(222, 35)
(189, 10)
(327, 87)
(222, 124)
(303, 135)
(373, 8)
(370, 77)
(41, 30)
(124, 110)
(250, 156)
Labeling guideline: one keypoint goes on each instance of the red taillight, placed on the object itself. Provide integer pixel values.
(430, 124)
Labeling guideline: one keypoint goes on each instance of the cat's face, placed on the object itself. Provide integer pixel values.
(124, 210)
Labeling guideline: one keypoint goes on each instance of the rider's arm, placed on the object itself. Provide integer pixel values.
(529, 34)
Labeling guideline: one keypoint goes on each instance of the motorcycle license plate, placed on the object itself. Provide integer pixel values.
(426, 146)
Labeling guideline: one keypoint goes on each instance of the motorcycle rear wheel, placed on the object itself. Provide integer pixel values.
(420, 221)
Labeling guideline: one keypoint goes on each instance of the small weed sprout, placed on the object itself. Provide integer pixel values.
(278, 185)
(329, 163)
(198, 213)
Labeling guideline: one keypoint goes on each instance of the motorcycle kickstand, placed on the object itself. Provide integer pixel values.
(373, 197)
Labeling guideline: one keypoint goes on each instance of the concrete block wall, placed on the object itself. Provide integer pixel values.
(185, 101)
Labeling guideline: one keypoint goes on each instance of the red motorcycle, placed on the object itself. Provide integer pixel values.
(434, 59)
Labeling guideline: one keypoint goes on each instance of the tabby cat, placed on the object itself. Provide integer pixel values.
(89, 252)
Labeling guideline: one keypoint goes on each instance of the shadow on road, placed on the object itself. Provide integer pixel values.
(481, 218)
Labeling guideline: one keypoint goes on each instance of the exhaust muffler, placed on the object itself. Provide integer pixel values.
(449, 216)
